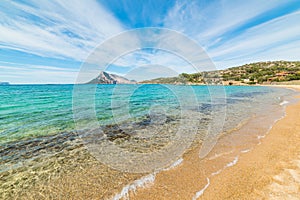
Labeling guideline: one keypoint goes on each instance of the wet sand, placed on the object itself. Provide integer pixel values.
(245, 164)
(267, 169)
(294, 87)
(270, 171)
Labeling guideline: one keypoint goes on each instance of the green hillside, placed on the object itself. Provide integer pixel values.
(261, 72)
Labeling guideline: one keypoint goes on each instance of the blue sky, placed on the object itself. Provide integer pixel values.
(47, 41)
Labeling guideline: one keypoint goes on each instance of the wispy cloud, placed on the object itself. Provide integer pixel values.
(49, 39)
(238, 31)
(24, 74)
(63, 29)
(263, 42)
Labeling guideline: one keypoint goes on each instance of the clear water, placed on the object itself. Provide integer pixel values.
(33, 110)
(37, 125)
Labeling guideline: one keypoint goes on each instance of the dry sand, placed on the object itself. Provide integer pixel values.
(271, 170)
(295, 87)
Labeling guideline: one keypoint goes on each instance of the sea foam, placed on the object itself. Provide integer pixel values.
(142, 182)
(200, 192)
(284, 103)
(232, 163)
(175, 164)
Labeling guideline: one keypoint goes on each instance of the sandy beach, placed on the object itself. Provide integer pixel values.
(294, 87)
(149, 100)
(255, 159)
(269, 169)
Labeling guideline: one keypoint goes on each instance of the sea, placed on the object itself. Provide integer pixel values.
(55, 140)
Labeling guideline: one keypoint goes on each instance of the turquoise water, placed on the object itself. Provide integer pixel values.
(28, 111)
(42, 145)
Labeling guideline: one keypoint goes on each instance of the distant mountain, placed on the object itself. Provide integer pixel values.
(107, 78)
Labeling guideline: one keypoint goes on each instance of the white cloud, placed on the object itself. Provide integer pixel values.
(37, 74)
(147, 72)
(156, 58)
(208, 21)
(268, 41)
(71, 29)
(213, 24)
(68, 29)
(164, 51)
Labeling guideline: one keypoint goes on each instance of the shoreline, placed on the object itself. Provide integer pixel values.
(271, 170)
(248, 175)
(293, 87)
(79, 175)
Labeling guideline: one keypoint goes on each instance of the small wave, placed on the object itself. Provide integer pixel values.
(175, 164)
(261, 136)
(140, 183)
(284, 103)
(232, 163)
(216, 173)
(270, 127)
(246, 150)
(200, 192)
(219, 155)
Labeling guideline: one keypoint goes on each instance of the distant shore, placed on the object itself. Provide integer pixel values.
(295, 87)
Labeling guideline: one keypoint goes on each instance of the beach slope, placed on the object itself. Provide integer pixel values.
(271, 170)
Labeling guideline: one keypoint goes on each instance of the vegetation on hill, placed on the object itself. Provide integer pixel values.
(261, 72)
(264, 72)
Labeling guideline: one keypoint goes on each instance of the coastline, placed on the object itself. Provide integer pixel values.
(269, 169)
(74, 173)
(293, 87)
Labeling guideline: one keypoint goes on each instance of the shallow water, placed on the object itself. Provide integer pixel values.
(41, 147)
